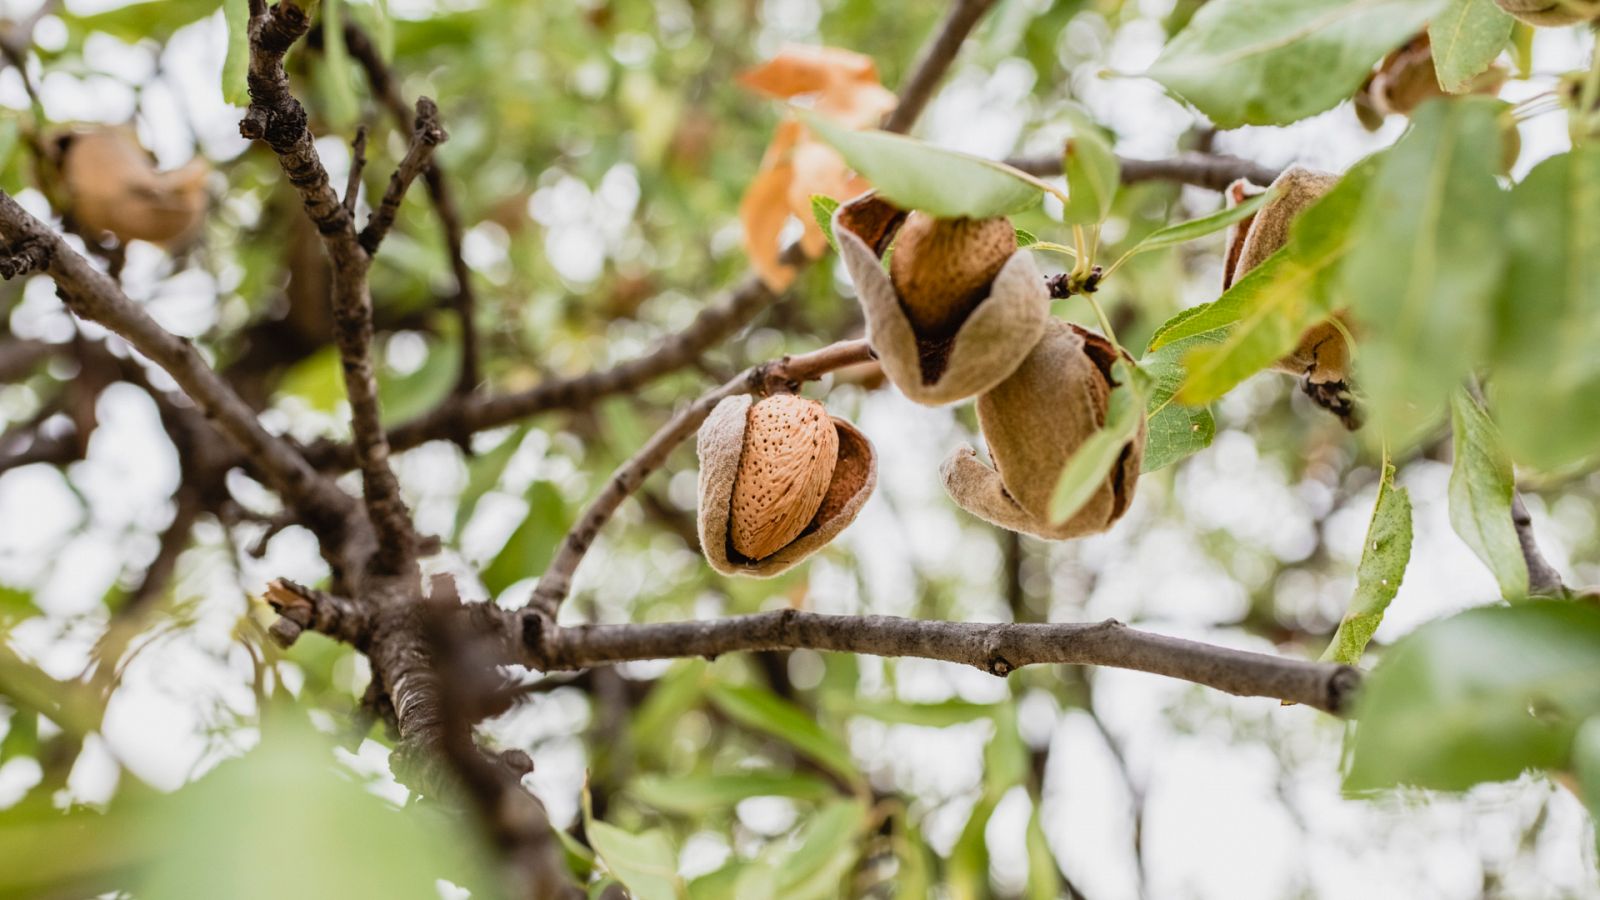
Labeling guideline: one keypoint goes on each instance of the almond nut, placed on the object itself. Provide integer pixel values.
(114, 187)
(790, 449)
(1551, 13)
(942, 268)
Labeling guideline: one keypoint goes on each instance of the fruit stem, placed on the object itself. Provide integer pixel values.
(1105, 323)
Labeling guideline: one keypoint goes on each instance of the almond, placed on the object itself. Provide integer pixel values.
(787, 461)
(1551, 13)
(115, 187)
(942, 268)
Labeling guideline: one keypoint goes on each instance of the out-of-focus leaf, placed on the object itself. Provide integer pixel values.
(1465, 38)
(701, 794)
(830, 844)
(1093, 173)
(1026, 238)
(1480, 696)
(1586, 765)
(152, 20)
(1089, 465)
(1044, 879)
(529, 549)
(348, 842)
(235, 64)
(764, 711)
(1384, 555)
(1174, 431)
(822, 208)
(940, 182)
(1263, 315)
(675, 693)
(336, 74)
(967, 873)
(1482, 485)
(580, 859)
(915, 875)
(645, 863)
(1005, 758)
(1545, 389)
(15, 605)
(1183, 232)
(410, 395)
(1425, 269)
(722, 884)
(1271, 62)
(931, 715)
(315, 381)
(483, 473)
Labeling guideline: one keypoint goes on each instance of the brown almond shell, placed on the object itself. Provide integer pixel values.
(987, 347)
(1033, 422)
(720, 444)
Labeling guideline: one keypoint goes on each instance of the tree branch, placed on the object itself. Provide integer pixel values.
(787, 373)
(934, 61)
(276, 117)
(426, 134)
(1208, 170)
(1543, 579)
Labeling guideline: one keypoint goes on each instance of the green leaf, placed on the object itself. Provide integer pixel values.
(1384, 555)
(764, 711)
(830, 844)
(697, 795)
(929, 715)
(645, 863)
(967, 874)
(1174, 431)
(1089, 465)
(1183, 232)
(152, 20)
(407, 396)
(316, 381)
(1044, 879)
(915, 175)
(1586, 765)
(1424, 272)
(675, 693)
(483, 475)
(336, 74)
(1262, 317)
(1482, 696)
(1545, 389)
(822, 208)
(1006, 761)
(1482, 485)
(236, 64)
(1092, 170)
(1465, 39)
(1026, 238)
(530, 548)
(1271, 62)
(914, 876)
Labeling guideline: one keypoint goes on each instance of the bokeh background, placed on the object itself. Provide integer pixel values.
(599, 151)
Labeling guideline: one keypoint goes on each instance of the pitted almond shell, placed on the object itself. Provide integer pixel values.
(1033, 422)
(1323, 355)
(720, 446)
(986, 347)
(790, 447)
(942, 268)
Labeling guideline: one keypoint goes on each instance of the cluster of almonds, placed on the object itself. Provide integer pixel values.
(961, 312)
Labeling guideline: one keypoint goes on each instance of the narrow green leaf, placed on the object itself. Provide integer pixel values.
(236, 63)
(1183, 232)
(1482, 485)
(1481, 696)
(1264, 314)
(830, 844)
(1545, 388)
(1271, 62)
(531, 546)
(1044, 879)
(1026, 238)
(697, 795)
(763, 711)
(915, 175)
(822, 208)
(645, 863)
(1092, 170)
(1586, 765)
(1425, 270)
(1465, 39)
(967, 874)
(1384, 555)
(1083, 474)
(1174, 431)
(931, 715)
(336, 73)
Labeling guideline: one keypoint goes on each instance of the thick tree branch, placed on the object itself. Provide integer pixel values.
(92, 295)
(426, 134)
(276, 117)
(787, 373)
(934, 61)
(1207, 170)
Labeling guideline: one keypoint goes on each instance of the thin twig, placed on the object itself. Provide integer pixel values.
(358, 162)
(786, 373)
(1543, 579)
(1208, 170)
(934, 61)
(426, 134)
